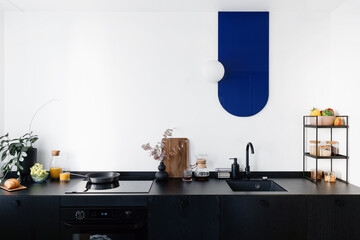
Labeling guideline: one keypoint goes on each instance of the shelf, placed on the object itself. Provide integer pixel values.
(314, 126)
(322, 180)
(333, 157)
(312, 180)
(311, 124)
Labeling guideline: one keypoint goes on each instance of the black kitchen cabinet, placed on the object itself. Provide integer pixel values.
(29, 218)
(184, 217)
(263, 217)
(333, 217)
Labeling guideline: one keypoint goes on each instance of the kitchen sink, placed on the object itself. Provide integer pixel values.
(254, 186)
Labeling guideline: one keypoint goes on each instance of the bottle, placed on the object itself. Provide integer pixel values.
(55, 168)
(235, 170)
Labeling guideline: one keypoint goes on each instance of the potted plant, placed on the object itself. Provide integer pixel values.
(20, 152)
(158, 153)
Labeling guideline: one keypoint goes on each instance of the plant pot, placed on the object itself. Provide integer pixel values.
(28, 162)
(161, 175)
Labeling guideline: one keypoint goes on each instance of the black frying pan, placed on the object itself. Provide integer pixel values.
(101, 177)
(103, 186)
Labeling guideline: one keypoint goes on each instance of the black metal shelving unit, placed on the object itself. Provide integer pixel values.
(339, 156)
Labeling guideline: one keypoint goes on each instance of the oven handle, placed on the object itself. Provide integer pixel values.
(133, 226)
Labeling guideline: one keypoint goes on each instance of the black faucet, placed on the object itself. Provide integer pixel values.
(247, 168)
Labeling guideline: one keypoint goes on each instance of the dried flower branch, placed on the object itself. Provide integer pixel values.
(158, 152)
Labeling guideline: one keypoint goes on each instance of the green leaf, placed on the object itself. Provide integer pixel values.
(34, 139)
(14, 147)
(11, 160)
(15, 140)
(19, 166)
(12, 151)
(3, 156)
(26, 134)
(4, 166)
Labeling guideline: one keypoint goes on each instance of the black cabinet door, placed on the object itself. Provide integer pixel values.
(184, 217)
(263, 217)
(333, 217)
(29, 218)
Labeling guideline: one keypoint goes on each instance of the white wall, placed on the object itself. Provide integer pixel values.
(344, 84)
(1, 71)
(122, 78)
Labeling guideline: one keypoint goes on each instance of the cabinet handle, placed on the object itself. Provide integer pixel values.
(264, 203)
(17, 203)
(338, 202)
(184, 202)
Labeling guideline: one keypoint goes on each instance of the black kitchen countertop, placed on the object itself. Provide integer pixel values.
(213, 186)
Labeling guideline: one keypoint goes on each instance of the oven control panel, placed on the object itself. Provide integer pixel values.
(123, 213)
(79, 215)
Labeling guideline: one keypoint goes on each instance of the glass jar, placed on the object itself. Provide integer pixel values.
(334, 147)
(313, 147)
(330, 177)
(201, 172)
(55, 165)
(325, 151)
(319, 174)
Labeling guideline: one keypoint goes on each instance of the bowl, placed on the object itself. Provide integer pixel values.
(323, 120)
(39, 179)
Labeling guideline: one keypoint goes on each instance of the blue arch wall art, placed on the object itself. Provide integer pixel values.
(244, 51)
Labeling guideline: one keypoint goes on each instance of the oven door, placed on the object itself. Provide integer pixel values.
(103, 230)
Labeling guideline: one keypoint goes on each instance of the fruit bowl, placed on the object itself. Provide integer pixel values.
(323, 120)
(39, 178)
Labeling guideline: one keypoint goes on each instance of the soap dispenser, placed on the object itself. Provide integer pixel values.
(235, 170)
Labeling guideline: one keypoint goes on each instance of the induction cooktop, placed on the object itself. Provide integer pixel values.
(85, 187)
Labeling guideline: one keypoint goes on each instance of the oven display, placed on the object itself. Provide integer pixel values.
(102, 214)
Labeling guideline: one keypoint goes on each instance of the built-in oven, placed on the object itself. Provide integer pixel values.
(125, 223)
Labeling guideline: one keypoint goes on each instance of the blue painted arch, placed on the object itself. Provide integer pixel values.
(243, 49)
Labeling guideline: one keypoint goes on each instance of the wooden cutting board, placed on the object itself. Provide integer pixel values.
(13, 189)
(180, 161)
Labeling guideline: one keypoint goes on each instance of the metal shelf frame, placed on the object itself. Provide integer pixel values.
(308, 155)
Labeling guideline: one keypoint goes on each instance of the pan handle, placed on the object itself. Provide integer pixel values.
(79, 175)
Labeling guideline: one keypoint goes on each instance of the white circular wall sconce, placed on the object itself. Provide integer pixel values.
(214, 71)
